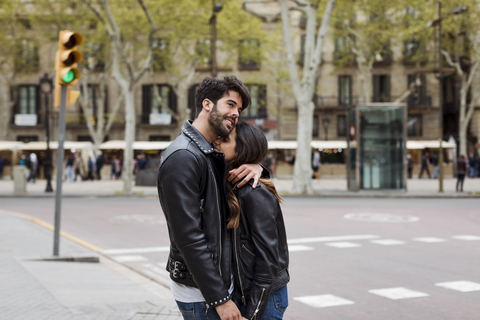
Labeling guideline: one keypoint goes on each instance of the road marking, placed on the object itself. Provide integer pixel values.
(343, 245)
(387, 242)
(130, 258)
(324, 300)
(462, 286)
(466, 237)
(429, 239)
(136, 250)
(398, 293)
(380, 217)
(334, 238)
(156, 269)
(299, 248)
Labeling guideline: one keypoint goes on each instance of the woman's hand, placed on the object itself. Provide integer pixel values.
(246, 172)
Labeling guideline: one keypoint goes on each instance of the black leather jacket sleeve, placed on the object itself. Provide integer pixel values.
(260, 208)
(181, 191)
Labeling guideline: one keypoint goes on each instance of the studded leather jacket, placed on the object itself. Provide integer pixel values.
(260, 249)
(191, 193)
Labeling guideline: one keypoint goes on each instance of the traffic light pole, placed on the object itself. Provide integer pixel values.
(60, 155)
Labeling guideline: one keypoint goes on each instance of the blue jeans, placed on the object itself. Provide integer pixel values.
(277, 304)
(436, 170)
(197, 311)
(472, 172)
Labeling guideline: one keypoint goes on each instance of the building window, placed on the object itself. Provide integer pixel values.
(344, 90)
(419, 97)
(249, 54)
(27, 138)
(203, 50)
(155, 105)
(381, 88)
(316, 119)
(341, 126)
(27, 58)
(414, 125)
(161, 54)
(258, 108)
(27, 100)
(159, 138)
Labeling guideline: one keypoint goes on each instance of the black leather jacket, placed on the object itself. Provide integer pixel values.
(260, 249)
(191, 192)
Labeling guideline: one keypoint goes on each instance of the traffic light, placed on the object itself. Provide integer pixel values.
(66, 61)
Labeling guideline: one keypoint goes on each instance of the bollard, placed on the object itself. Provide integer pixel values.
(19, 181)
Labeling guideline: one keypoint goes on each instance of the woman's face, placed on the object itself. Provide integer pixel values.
(227, 145)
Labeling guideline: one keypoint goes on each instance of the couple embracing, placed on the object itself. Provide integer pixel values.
(228, 247)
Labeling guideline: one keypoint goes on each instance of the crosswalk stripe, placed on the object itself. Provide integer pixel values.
(429, 239)
(398, 293)
(466, 237)
(130, 258)
(334, 238)
(462, 286)
(136, 250)
(387, 242)
(324, 300)
(343, 245)
(299, 248)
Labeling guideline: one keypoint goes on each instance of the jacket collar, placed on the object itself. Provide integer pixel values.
(191, 132)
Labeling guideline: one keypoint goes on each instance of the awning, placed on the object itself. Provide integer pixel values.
(431, 144)
(137, 145)
(10, 145)
(42, 145)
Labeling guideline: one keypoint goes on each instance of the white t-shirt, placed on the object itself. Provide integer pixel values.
(188, 294)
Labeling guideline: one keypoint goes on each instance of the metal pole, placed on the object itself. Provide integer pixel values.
(48, 163)
(214, 40)
(440, 99)
(60, 153)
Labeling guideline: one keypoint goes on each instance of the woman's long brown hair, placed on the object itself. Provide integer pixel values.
(251, 147)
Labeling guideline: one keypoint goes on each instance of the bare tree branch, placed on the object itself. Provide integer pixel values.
(287, 38)
(456, 65)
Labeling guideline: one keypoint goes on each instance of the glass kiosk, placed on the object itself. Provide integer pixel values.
(377, 147)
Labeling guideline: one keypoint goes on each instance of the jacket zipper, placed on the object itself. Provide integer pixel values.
(248, 250)
(258, 305)
(219, 222)
(238, 266)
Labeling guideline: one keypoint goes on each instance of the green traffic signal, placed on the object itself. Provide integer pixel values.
(68, 77)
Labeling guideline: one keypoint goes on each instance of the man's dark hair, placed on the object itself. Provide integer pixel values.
(214, 89)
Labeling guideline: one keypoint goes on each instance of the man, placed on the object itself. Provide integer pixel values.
(2, 165)
(99, 165)
(191, 192)
(472, 163)
(425, 164)
(33, 167)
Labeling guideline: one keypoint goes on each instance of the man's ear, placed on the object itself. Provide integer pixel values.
(207, 104)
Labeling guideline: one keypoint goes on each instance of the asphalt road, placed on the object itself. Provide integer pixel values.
(349, 258)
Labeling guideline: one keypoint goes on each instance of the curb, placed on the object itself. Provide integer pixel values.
(84, 244)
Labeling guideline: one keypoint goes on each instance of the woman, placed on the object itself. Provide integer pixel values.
(260, 261)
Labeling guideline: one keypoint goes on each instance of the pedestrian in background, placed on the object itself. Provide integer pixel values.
(316, 164)
(118, 168)
(436, 169)
(99, 165)
(113, 171)
(409, 165)
(477, 166)
(461, 171)
(472, 164)
(425, 163)
(33, 165)
(2, 165)
(90, 169)
(78, 167)
(69, 168)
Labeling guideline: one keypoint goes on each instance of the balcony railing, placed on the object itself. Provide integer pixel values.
(335, 101)
(78, 118)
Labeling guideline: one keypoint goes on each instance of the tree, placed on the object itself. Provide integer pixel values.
(304, 88)
(17, 55)
(127, 67)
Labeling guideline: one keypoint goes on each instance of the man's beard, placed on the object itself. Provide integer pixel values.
(215, 120)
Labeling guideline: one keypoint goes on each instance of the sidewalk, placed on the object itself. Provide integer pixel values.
(34, 289)
(424, 188)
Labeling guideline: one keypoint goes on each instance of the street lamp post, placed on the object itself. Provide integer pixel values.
(438, 22)
(217, 7)
(46, 87)
(326, 123)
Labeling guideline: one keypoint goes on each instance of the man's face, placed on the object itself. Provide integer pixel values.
(224, 115)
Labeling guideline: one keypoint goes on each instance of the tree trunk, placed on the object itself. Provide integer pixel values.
(5, 108)
(127, 174)
(302, 170)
